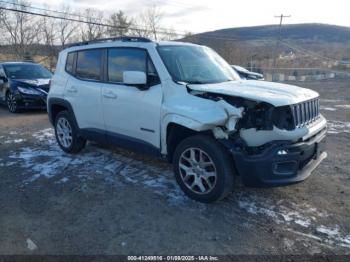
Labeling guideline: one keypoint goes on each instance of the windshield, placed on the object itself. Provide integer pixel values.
(196, 65)
(26, 71)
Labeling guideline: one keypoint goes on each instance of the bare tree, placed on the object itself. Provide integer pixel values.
(48, 36)
(169, 34)
(20, 29)
(234, 52)
(140, 27)
(92, 30)
(153, 17)
(65, 29)
(121, 23)
(148, 23)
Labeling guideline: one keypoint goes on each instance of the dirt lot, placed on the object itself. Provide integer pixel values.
(118, 202)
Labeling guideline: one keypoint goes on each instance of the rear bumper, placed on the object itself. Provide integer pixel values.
(281, 163)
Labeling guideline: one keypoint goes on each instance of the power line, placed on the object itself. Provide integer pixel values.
(160, 31)
(77, 20)
(163, 31)
(72, 14)
(43, 9)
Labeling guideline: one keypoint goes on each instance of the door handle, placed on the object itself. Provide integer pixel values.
(110, 94)
(72, 89)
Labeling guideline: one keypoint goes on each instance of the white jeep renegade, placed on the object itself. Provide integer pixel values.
(183, 102)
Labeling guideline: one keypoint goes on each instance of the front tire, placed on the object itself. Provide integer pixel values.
(203, 169)
(11, 102)
(66, 132)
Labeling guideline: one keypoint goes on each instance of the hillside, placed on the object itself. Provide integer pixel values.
(304, 32)
(300, 44)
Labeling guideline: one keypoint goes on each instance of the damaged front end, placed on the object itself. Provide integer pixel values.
(257, 123)
(271, 145)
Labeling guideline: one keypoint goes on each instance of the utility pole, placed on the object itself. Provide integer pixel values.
(278, 41)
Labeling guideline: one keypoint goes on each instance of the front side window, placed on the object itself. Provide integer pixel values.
(2, 72)
(196, 64)
(89, 64)
(125, 59)
(27, 71)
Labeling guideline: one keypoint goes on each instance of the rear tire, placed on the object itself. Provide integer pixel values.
(67, 135)
(203, 169)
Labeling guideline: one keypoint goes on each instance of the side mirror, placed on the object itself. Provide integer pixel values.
(134, 78)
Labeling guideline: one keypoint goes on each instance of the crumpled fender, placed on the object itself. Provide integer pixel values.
(196, 113)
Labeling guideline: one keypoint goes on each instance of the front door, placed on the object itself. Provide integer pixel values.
(131, 114)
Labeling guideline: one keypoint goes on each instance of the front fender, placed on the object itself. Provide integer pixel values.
(195, 113)
(192, 124)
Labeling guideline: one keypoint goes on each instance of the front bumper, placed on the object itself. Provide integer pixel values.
(31, 101)
(281, 163)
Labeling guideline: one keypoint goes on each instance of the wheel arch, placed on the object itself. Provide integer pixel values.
(56, 105)
(177, 128)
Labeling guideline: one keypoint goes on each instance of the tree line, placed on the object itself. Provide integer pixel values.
(20, 30)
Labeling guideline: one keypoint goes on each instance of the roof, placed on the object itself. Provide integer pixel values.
(110, 42)
(17, 62)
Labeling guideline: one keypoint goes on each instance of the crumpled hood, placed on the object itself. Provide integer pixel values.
(273, 93)
(42, 84)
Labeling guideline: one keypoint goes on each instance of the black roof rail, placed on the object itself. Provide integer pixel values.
(17, 61)
(112, 39)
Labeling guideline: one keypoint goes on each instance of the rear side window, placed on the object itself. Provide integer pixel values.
(70, 63)
(89, 64)
(125, 59)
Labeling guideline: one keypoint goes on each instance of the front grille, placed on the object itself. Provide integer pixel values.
(306, 112)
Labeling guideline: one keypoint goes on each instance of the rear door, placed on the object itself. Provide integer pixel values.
(131, 114)
(83, 89)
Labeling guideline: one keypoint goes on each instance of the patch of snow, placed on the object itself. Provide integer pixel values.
(11, 163)
(334, 234)
(328, 231)
(330, 100)
(328, 108)
(45, 135)
(335, 127)
(296, 216)
(343, 106)
(31, 245)
(62, 180)
(46, 160)
(303, 223)
(278, 213)
(19, 140)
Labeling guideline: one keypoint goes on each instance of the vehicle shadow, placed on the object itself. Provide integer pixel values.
(4, 111)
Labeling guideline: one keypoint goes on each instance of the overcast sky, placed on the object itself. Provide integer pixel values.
(206, 15)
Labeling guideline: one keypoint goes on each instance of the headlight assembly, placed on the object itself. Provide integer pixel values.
(28, 91)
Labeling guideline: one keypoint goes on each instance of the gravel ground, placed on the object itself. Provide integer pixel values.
(106, 201)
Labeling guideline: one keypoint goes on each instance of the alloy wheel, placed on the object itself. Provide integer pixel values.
(11, 102)
(64, 132)
(197, 170)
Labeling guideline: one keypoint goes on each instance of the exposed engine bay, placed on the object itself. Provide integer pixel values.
(258, 122)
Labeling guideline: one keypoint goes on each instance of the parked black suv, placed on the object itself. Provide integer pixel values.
(24, 85)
